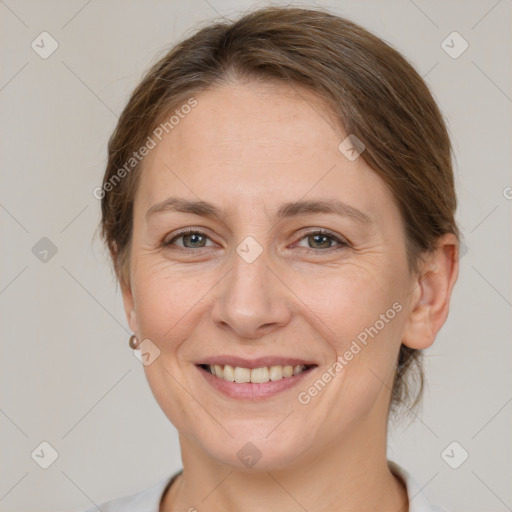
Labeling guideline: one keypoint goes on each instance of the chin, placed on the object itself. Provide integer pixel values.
(255, 449)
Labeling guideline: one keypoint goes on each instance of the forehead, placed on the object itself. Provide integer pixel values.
(265, 118)
(245, 141)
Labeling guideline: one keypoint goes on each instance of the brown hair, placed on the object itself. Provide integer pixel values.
(373, 92)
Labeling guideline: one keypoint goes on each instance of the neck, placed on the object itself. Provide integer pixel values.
(347, 475)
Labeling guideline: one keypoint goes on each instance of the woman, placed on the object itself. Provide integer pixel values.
(279, 207)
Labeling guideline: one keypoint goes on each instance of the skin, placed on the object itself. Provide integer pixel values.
(248, 148)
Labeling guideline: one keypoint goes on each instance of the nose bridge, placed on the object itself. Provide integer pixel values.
(251, 297)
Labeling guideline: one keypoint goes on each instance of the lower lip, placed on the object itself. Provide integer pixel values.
(251, 390)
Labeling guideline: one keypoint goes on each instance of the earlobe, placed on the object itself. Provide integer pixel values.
(430, 300)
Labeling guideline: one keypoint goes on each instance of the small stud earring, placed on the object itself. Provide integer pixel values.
(134, 342)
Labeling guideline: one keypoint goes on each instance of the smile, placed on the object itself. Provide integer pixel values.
(253, 383)
(255, 375)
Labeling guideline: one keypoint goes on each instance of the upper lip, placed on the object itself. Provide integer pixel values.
(258, 362)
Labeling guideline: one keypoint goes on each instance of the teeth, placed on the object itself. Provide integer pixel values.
(259, 375)
(255, 375)
(227, 374)
(242, 375)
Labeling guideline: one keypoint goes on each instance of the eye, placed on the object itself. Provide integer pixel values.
(317, 239)
(322, 239)
(192, 239)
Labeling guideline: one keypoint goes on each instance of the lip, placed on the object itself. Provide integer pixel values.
(258, 362)
(250, 390)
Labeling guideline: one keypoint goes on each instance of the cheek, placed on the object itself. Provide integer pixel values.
(167, 301)
(361, 316)
(346, 300)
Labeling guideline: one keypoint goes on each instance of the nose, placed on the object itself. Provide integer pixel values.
(252, 300)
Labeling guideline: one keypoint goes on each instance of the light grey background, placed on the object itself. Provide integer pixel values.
(67, 374)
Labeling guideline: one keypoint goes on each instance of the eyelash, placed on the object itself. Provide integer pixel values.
(324, 232)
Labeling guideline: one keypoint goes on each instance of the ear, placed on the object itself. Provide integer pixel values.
(129, 306)
(433, 287)
(126, 291)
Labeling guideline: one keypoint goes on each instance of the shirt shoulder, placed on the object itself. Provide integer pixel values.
(147, 500)
(418, 502)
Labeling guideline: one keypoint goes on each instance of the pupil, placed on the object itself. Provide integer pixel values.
(317, 238)
(194, 238)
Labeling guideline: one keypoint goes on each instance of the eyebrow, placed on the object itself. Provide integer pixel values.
(292, 209)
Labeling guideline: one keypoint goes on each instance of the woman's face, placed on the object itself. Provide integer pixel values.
(259, 281)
